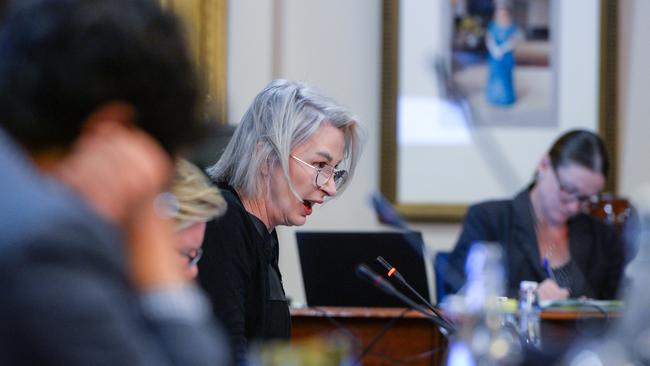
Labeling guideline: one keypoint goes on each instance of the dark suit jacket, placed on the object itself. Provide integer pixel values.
(65, 295)
(593, 244)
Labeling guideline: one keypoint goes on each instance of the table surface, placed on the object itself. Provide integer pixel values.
(365, 312)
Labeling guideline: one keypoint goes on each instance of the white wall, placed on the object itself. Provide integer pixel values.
(336, 45)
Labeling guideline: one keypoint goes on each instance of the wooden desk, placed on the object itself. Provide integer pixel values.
(561, 328)
(413, 334)
(410, 335)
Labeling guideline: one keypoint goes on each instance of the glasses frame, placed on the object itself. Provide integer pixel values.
(193, 259)
(338, 174)
(571, 196)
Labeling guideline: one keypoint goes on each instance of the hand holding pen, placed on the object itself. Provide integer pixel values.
(549, 288)
(548, 269)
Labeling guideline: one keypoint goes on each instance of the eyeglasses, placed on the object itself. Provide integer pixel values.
(324, 174)
(570, 194)
(193, 256)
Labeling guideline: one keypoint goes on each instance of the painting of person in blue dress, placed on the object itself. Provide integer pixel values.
(501, 38)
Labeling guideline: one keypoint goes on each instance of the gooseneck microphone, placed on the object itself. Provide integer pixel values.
(387, 214)
(365, 273)
(392, 272)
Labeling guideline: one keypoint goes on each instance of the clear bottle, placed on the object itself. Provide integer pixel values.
(529, 314)
(480, 339)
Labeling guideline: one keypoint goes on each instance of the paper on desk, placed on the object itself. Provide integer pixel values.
(581, 304)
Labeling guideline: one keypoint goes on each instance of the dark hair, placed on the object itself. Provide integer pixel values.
(60, 60)
(580, 147)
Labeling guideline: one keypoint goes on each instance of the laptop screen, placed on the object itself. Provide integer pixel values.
(329, 260)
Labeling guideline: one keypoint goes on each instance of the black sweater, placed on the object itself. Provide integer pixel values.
(239, 271)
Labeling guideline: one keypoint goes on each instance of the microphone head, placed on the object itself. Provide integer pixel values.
(392, 271)
(364, 272)
(383, 262)
(386, 213)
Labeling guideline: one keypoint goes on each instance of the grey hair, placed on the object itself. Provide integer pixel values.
(282, 116)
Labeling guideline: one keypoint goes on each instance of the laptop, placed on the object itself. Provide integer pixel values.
(329, 261)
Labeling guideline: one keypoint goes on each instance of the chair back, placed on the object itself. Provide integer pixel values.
(440, 267)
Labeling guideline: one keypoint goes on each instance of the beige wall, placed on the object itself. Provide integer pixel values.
(634, 96)
(336, 45)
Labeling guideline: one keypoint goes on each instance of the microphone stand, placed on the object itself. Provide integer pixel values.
(394, 273)
(387, 215)
(369, 275)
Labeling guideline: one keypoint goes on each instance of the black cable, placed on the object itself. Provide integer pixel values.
(367, 350)
(379, 335)
(348, 333)
(422, 355)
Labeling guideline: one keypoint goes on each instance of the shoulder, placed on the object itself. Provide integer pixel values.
(60, 223)
(233, 234)
(490, 208)
(235, 217)
(490, 217)
(596, 226)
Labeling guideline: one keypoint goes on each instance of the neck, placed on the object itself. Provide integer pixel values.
(539, 217)
(48, 161)
(256, 206)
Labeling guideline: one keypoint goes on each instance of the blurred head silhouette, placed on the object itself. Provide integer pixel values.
(101, 93)
(61, 61)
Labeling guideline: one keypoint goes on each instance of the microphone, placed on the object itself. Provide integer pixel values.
(387, 214)
(392, 272)
(365, 273)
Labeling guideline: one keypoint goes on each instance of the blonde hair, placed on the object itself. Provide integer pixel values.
(196, 198)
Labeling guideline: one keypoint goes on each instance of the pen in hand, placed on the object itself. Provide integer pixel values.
(547, 268)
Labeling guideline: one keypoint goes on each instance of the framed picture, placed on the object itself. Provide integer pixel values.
(503, 61)
(449, 137)
(206, 27)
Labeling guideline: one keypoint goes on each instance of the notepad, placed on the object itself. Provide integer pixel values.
(581, 305)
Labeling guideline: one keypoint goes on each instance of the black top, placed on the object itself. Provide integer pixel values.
(596, 252)
(239, 270)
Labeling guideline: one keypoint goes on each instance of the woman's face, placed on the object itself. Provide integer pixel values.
(190, 240)
(565, 190)
(502, 16)
(325, 147)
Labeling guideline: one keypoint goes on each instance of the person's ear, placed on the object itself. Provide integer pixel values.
(544, 165)
(107, 114)
(265, 167)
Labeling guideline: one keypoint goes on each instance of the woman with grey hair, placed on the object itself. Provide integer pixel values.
(293, 149)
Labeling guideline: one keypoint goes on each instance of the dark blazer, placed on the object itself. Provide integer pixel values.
(593, 245)
(66, 298)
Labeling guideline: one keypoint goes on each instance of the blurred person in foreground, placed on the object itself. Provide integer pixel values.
(293, 149)
(544, 232)
(96, 98)
(195, 201)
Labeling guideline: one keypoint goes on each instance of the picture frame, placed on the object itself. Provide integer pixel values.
(492, 162)
(206, 26)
